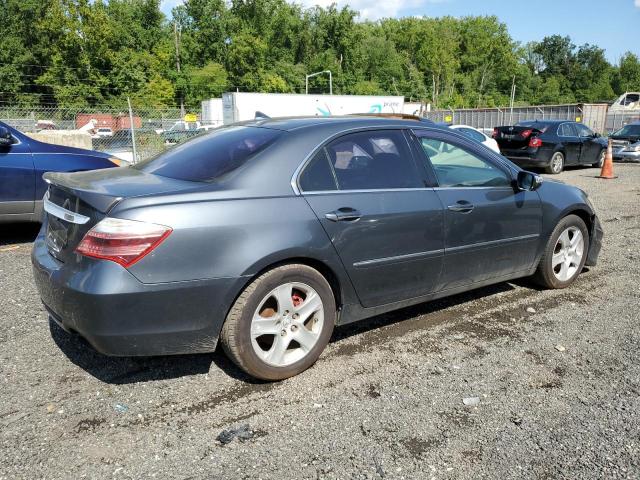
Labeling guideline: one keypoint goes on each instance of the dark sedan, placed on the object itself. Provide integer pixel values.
(23, 160)
(267, 234)
(551, 144)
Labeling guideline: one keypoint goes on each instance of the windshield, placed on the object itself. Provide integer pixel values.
(628, 131)
(208, 157)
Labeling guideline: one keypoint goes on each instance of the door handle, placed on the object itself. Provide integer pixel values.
(461, 207)
(344, 214)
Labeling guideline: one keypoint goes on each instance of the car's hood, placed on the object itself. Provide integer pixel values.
(630, 138)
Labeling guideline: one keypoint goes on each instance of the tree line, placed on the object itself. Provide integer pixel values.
(80, 53)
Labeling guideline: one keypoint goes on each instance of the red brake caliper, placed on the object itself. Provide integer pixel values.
(296, 299)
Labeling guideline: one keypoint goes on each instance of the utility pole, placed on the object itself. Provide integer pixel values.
(177, 33)
(133, 132)
(513, 97)
(307, 77)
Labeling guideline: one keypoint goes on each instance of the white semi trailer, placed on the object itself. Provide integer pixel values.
(212, 112)
(239, 106)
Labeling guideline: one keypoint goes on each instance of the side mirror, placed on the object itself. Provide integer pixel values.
(5, 137)
(596, 135)
(528, 182)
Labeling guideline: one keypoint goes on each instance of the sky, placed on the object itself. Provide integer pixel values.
(611, 24)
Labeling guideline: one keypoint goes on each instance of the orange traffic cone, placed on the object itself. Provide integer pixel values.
(607, 166)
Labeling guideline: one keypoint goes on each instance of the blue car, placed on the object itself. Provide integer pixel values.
(24, 160)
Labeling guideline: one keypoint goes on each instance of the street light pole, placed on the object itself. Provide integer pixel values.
(307, 77)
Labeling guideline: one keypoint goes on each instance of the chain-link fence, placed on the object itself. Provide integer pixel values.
(130, 135)
(144, 132)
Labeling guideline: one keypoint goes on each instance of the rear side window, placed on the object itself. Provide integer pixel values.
(209, 157)
(317, 175)
(378, 159)
(566, 130)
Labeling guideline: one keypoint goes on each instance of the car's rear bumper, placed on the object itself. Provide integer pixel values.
(529, 158)
(119, 315)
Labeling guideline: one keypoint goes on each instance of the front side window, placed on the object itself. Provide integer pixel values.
(207, 158)
(456, 167)
(378, 159)
(583, 130)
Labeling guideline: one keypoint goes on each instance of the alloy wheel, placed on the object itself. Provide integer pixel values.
(567, 254)
(557, 163)
(287, 324)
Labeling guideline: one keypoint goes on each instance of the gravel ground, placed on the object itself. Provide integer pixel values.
(556, 374)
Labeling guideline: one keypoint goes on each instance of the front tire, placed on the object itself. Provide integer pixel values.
(556, 164)
(600, 161)
(564, 256)
(280, 323)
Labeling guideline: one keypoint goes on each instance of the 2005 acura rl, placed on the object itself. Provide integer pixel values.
(269, 233)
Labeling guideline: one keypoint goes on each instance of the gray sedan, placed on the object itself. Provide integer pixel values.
(267, 234)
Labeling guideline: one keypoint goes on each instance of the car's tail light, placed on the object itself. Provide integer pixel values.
(122, 241)
(495, 133)
(526, 133)
(535, 142)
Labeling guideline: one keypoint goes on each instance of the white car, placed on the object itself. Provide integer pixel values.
(478, 136)
(102, 132)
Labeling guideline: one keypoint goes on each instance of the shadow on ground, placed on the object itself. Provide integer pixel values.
(16, 233)
(125, 370)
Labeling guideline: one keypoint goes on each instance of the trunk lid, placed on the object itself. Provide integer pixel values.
(515, 137)
(75, 202)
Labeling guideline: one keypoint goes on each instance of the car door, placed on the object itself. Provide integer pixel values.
(571, 142)
(590, 148)
(491, 230)
(17, 179)
(387, 227)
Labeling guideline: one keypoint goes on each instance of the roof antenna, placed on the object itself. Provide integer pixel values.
(261, 116)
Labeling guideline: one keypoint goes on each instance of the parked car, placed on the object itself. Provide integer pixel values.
(104, 132)
(45, 125)
(626, 142)
(23, 160)
(181, 131)
(269, 233)
(478, 136)
(551, 144)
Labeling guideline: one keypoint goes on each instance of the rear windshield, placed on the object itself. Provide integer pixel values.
(537, 125)
(208, 157)
(628, 131)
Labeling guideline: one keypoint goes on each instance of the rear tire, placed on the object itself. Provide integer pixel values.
(556, 164)
(564, 256)
(280, 323)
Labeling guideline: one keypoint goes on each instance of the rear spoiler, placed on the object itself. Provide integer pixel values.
(100, 201)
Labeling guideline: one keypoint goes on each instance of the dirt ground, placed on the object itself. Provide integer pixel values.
(557, 375)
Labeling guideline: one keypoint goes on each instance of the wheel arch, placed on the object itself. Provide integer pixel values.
(340, 285)
(587, 218)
